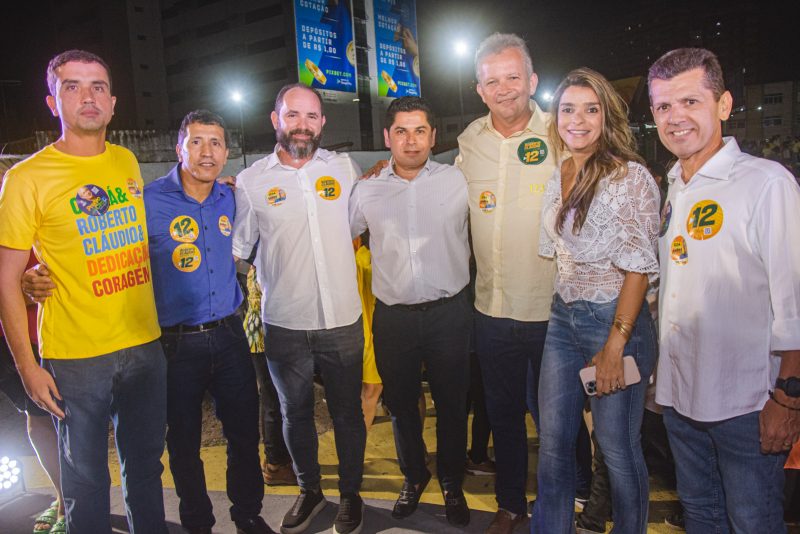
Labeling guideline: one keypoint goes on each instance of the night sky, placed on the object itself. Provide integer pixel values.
(561, 34)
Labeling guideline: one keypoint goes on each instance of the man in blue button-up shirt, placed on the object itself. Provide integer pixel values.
(190, 218)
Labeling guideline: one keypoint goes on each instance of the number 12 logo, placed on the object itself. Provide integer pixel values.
(705, 220)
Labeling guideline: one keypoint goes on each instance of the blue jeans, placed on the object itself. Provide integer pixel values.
(217, 361)
(506, 350)
(725, 483)
(129, 387)
(339, 353)
(577, 332)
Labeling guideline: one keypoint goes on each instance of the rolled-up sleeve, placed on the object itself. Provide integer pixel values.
(776, 234)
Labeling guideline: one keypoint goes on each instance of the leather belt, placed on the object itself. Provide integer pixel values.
(424, 306)
(196, 328)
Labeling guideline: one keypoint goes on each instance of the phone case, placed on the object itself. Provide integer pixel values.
(631, 370)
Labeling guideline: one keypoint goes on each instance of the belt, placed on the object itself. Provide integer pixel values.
(424, 306)
(196, 328)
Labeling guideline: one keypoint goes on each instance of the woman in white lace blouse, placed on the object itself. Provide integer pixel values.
(600, 220)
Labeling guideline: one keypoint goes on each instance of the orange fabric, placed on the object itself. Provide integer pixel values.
(794, 457)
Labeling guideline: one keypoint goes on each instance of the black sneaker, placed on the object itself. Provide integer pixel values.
(408, 500)
(456, 509)
(308, 504)
(350, 518)
(676, 521)
(254, 525)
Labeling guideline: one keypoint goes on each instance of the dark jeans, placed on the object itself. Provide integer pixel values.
(217, 361)
(129, 387)
(598, 509)
(506, 349)
(339, 353)
(271, 419)
(437, 336)
(476, 402)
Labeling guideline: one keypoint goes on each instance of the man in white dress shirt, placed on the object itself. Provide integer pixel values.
(416, 211)
(293, 203)
(729, 368)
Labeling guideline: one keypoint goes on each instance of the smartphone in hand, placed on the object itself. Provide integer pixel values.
(588, 375)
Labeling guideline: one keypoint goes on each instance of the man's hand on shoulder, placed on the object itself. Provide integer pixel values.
(37, 284)
(376, 169)
(230, 181)
(779, 425)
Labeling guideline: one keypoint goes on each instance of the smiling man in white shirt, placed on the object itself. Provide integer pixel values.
(416, 211)
(729, 367)
(293, 203)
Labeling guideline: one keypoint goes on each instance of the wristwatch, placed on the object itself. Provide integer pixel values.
(790, 386)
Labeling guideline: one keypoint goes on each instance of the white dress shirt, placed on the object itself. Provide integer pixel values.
(418, 232)
(305, 263)
(730, 284)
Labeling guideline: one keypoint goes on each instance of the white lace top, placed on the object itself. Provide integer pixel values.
(620, 234)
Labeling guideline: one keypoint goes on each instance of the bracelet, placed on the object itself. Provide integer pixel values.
(624, 328)
(779, 403)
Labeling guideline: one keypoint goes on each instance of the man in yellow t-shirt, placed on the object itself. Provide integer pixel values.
(78, 203)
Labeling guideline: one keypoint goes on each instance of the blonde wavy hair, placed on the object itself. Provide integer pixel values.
(615, 147)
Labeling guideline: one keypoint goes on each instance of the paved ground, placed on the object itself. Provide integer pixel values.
(382, 481)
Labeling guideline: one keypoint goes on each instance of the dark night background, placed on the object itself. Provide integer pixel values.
(758, 42)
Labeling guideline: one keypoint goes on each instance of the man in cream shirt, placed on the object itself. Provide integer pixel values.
(507, 159)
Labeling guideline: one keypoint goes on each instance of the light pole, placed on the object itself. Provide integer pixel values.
(236, 96)
(461, 49)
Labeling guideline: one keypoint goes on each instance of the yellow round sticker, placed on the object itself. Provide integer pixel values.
(186, 257)
(705, 220)
(224, 225)
(678, 251)
(328, 188)
(184, 229)
(487, 202)
(276, 196)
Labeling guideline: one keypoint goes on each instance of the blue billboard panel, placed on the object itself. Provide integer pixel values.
(326, 52)
(396, 47)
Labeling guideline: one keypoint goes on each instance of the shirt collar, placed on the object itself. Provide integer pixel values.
(172, 184)
(718, 167)
(537, 124)
(426, 169)
(320, 154)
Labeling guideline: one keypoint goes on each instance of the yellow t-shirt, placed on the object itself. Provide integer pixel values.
(84, 218)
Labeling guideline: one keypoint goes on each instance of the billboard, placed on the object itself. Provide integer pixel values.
(396, 48)
(326, 52)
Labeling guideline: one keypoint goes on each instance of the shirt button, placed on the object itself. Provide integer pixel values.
(211, 271)
(205, 227)
(208, 250)
(213, 292)
(674, 295)
(213, 315)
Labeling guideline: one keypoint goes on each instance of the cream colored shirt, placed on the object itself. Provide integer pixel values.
(506, 179)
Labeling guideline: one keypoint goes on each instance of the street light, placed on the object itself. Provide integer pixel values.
(237, 97)
(461, 48)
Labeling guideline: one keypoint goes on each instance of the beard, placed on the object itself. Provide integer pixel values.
(298, 149)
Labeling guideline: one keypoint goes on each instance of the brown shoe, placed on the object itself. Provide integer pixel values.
(279, 475)
(504, 523)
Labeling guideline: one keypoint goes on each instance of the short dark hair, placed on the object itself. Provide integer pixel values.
(406, 104)
(682, 60)
(202, 116)
(286, 88)
(81, 56)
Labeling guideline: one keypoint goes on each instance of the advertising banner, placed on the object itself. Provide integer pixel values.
(396, 47)
(326, 52)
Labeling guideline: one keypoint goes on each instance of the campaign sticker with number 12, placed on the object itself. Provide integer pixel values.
(705, 220)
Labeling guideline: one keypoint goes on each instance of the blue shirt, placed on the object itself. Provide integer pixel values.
(194, 275)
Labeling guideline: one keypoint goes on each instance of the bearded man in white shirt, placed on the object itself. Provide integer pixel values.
(729, 366)
(293, 203)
